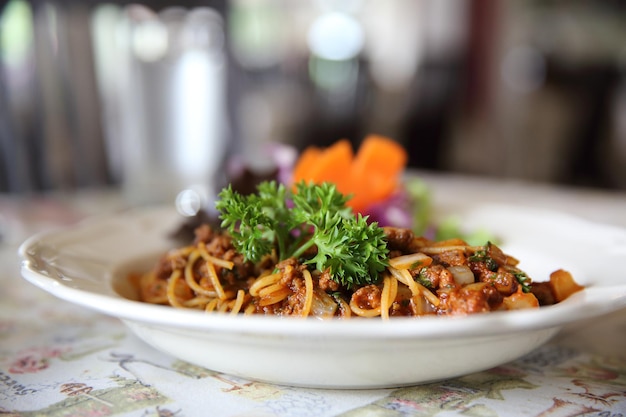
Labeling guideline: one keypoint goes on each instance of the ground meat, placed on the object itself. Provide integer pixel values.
(291, 276)
(295, 302)
(168, 262)
(470, 300)
(435, 277)
(203, 233)
(219, 244)
(164, 268)
(327, 284)
(503, 280)
(402, 241)
(451, 257)
(398, 238)
(367, 297)
(290, 270)
(543, 292)
(481, 271)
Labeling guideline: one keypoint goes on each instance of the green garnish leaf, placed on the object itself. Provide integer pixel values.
(312, 223)
(482, 255)
(422, 278)
(523, 280)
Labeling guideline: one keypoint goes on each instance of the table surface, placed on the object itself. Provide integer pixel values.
(60, 359)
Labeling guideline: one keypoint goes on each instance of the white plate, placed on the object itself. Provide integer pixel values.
(88, 265)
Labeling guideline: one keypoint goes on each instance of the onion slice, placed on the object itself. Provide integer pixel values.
(462, 274)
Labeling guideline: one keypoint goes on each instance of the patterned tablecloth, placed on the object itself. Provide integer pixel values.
(57, 359)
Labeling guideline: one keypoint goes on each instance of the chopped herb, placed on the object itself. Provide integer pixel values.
(523, 280)
(416, 265)
(422, 278)
(310, 217)
(482, 255)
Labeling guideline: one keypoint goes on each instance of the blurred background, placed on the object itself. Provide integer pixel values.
(159, 95)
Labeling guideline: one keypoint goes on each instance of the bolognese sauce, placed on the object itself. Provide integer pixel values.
(423, 277)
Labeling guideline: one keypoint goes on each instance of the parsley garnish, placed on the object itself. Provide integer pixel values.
(311, 217)
(482, 255)
(523, 280)
(423, 279)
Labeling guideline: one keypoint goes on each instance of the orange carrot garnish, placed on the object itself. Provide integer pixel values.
(370, 176)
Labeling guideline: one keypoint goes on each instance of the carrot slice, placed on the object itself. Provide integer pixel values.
(331, 164)
(380, 155)
(376, 170)
(304, 165)
(369, 176)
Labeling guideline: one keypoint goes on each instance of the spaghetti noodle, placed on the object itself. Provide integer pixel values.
(422, 278)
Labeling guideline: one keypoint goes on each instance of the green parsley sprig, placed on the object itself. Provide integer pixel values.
(293, 223)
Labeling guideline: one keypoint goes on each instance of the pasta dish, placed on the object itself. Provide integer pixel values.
(302, 253)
